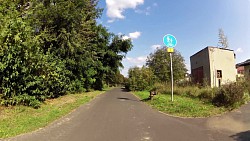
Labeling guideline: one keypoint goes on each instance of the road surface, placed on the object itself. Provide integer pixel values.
(118, 115)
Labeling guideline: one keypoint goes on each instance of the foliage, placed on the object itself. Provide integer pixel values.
(157, 70)
(159, 62)
(49, 48)
(229, 95)
(247, 83)
(181, 106)
(116, 79)
(194, 101)
(140, 79)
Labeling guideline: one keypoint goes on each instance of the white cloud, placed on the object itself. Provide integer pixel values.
(147, 10)
(138, 61)
(130, 62)
(125, 37)
(115, 8)
(111, 21)
(133, 35)
(154, 47)
(239, 50)
(124, 72)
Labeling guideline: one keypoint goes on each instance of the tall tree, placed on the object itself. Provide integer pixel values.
(116, 52)
(49, 47)
(223, 43)
(159, 62)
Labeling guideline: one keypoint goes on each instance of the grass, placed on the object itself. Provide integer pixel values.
(182, 106)
(21, 119)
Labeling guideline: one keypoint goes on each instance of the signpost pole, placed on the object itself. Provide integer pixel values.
(170, 41)
(172, 78)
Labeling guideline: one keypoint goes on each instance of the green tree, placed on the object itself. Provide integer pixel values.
(27, 76)
(140, 78)
(68, 29)
(113, 58)
(50, 47)
(159, 62)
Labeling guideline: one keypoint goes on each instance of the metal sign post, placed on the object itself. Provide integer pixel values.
(170, 41)
(172, 77)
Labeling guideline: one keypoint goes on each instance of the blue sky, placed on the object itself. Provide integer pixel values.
(194, 23)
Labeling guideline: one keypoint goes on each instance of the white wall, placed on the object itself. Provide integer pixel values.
(222, 59)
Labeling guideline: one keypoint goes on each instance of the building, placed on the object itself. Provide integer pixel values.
(243, 69)
(240, 71)
(213, 66)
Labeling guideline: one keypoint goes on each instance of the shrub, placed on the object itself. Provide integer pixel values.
(162, 88)
(24, 99)
(140, 79)
(247, 82)
(229, 95)
(192, 91)
(208, 93)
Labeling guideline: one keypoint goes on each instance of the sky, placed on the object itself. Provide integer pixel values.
(194, 23)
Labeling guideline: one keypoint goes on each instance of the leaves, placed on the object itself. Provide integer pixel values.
(49, 48)
(140, 79)
(159, 62)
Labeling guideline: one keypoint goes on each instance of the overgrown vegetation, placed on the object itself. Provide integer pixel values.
(183, 106)
(51, 47)
(195, 101)
(229, 96)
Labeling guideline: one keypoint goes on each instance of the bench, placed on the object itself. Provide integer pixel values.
(152, 94)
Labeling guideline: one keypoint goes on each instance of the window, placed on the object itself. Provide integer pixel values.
(219, 73)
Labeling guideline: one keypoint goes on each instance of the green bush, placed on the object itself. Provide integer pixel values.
(229, 95)
(140, 79)
(208, 93)
(247, 82)
(27, 75)
(24, 99)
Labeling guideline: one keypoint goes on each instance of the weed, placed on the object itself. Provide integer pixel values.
(229, 95)
(182, 105)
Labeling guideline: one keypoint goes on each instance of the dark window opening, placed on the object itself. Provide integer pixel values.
(219, 73)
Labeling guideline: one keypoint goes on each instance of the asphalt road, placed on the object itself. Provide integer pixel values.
(119, 116)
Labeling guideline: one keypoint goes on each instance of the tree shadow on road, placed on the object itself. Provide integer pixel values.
(125, 99)
(242, 136)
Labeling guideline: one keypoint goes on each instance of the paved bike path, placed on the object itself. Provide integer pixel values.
(118, 115)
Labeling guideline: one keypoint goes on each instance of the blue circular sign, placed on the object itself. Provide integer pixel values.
(170, 41)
